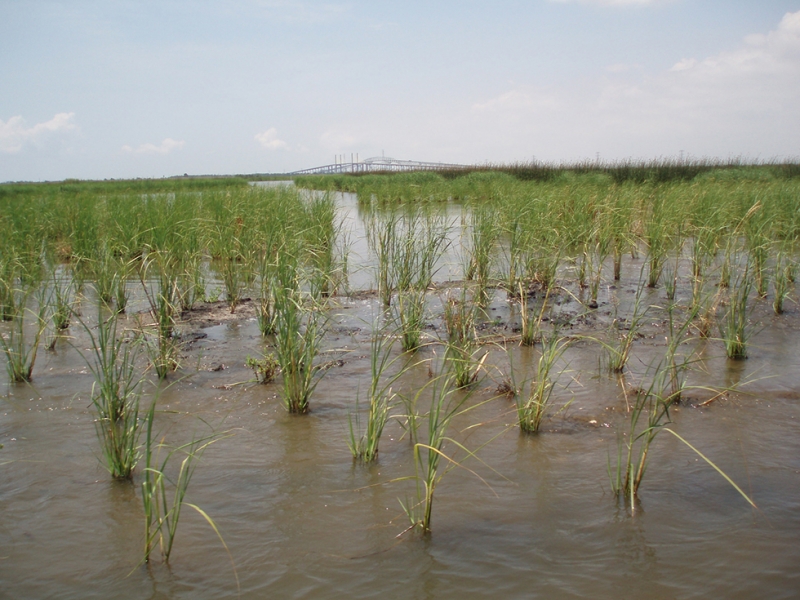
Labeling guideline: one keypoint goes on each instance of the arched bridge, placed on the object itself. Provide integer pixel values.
(378, 164)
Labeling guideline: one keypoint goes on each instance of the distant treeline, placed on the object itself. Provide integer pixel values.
(121, 186)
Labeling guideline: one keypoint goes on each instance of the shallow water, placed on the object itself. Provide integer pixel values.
(535, 519)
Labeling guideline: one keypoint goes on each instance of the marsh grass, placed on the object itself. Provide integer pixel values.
(116, 394)
(9, 273)
(364, 444)
(20, 350)
(734, 326)
(163, 498)
(531, 328)
(407, 246)
(670, 274)
(531, 410)
(513, 231)
(298, 338)
(159, 278)
(61, 302)
(446, 403)
(410, 315)
(648, 416)
(462, 343)
(483, 233)
(623, 334)
(677, 362)
(265, 277)
(782, 282)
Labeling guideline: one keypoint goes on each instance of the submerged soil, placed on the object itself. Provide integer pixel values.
(533, 516)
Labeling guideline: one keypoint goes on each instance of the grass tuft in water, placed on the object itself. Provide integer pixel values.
(532, 410)
(116, 393)
(364, 444)
(20, 350)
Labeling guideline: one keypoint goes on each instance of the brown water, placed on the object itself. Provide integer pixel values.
(302, 521)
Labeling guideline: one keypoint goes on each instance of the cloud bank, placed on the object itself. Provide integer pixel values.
(14, 135)
(269, 139)
(165, 147)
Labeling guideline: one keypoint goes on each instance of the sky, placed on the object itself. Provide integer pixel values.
(123, 89)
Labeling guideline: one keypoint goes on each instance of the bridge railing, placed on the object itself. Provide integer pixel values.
(378, 164)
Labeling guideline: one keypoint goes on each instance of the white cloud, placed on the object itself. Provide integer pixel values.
(269, 139)
(526, 98)
(165, 147)
(739, 102)
(14, 135)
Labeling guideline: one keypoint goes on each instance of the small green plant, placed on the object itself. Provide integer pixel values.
(532, 410)
(265, 368)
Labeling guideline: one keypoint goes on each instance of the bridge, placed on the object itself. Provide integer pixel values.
(378, 164)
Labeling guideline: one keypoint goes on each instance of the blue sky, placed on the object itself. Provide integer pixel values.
(111, 89)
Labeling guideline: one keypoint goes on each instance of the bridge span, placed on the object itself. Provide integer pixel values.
(378, 164)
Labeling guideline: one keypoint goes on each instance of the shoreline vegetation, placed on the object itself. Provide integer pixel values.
(657, 170)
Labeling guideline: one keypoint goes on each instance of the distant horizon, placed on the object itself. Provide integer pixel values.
(706, 162)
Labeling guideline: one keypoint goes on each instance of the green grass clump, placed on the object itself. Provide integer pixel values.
(532, 410)
(364, 444)
(21, 350)
(116, 395)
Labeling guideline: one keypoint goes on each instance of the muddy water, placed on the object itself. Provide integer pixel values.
(536, 519)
